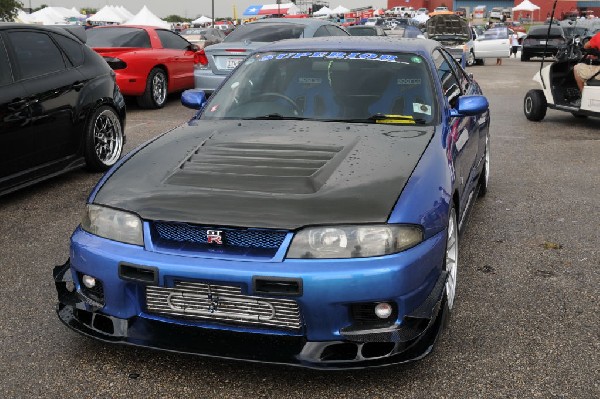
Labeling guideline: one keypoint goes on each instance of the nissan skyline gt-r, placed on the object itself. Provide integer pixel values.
(149, 62)
(309, 214)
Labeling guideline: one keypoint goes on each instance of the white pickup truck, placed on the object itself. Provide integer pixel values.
(401, 12)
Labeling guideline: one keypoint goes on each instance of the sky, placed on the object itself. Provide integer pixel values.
(188, 8)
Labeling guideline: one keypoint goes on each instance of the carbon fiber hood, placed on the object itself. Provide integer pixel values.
(270, 174)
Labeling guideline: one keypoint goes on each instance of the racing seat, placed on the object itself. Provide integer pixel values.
(407, 93)
(311, 91)
(355, 90)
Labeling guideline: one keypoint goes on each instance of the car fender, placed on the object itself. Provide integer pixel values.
(543, 79)
(427, 196)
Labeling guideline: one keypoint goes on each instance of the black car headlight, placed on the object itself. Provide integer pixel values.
(336, 242)
(113, 224)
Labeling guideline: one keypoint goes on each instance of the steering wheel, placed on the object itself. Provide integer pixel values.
(284, 97)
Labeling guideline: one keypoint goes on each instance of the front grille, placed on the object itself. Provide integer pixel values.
(222, 303)
(183, 236)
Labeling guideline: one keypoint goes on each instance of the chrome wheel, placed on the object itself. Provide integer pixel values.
(451, 258)
(108, 137)
(159, 88)
(470, 59)
(528, 105)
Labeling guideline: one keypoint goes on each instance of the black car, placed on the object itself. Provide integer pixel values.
(60, 107)
(539, 42)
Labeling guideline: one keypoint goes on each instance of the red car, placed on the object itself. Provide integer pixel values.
(516, 26)
(149, 62)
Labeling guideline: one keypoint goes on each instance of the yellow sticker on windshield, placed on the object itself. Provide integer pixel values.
(396, 121)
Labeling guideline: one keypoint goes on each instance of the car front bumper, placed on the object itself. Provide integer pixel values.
(328, 336)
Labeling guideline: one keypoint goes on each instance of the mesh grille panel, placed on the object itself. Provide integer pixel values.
(232, 239)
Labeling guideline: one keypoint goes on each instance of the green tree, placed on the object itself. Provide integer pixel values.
(39, 8)
(8, 9)
(176, 18)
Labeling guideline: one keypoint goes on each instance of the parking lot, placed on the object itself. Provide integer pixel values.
(525, 322)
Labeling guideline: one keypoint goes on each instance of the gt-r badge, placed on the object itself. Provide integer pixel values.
(214, 237)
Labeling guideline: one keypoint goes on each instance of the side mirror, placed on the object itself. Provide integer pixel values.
(470, 106)
(193, 47)
(194, 99)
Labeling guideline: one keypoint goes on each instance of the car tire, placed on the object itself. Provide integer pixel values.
(535, 105)
(471, 59)
(525, 57)
(103, 139)
(155, 95)
(484, 178)
(451, 261)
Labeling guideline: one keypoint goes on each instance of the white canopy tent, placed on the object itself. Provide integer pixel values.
(146, 17)
(122, 12)
(325, 11)
(526, 5)
(202, 20)
(54, 16)
(340, 10)
(107, 14)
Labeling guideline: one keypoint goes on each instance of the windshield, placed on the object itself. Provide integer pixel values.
(117, 37)
(328, 86)
(363, 31)
(266, 32)
(542, 31)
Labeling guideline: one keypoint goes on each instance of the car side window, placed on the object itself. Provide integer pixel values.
(450, 83)
(172, 40)
(322, 31)
(72, 48)
(335, 31)
(459, 72)
(5, 71)
(36, 54)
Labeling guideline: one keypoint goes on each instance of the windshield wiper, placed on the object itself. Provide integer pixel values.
(277, 117)
(388, 119)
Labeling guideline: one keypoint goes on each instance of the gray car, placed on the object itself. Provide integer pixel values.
(222, 58)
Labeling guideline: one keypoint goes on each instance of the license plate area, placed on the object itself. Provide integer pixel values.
(233, 62)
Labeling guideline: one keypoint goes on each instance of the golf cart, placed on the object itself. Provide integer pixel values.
(558, 87)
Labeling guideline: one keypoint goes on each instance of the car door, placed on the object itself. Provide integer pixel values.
(463, 133)
(181, 60)
(494, 43)
(50, 90)
(14, 116)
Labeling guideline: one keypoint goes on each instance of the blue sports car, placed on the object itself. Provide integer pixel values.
(309, 214)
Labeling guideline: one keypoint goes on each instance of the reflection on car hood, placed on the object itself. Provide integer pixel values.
(283, 174)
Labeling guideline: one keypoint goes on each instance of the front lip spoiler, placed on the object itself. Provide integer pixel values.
(411, 341)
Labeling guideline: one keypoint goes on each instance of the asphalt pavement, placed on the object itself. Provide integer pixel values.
(526, 317)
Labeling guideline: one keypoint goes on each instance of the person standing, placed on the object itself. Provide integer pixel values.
(514, 44)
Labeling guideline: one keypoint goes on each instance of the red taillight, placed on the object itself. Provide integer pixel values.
(200, 58)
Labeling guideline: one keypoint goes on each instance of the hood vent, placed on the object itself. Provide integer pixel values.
(262, 167)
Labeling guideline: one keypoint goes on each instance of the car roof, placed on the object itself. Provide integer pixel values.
(295, 21)
(74, 30)
(355, 43)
